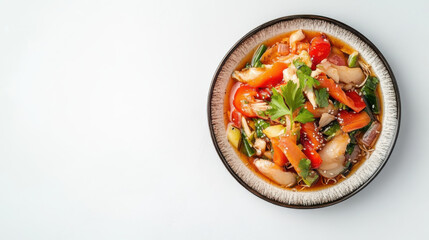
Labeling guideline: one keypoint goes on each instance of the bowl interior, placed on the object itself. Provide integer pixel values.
(367, 170)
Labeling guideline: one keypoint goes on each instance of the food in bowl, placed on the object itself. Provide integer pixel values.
(303, 110)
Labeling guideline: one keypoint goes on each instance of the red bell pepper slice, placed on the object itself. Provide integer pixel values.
(309, 131)
(311, 153)
(337, 93)
(279, 158)
(243, 98)
(350, 121)
(270, 77)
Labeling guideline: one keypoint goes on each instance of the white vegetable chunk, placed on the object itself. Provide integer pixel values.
(333, 156)
(275, 173)
(325, 119)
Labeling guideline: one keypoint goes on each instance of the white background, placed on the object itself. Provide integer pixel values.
(104, 135)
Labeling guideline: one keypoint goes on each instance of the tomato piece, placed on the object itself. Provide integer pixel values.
(264, 94)
(279, 158)
(235, 118)
(357, 100)
(319, 49)
(309, 132)
(311, 154)
(292, 151)
(336, 92)
(270, 77)
(337, 57)
(243, 98)
(350, 121)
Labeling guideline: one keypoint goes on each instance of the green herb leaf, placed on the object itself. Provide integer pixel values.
(305, 166)
(247, 147)
(278, 106)
(303, 73)
(257, 56)
(293, 95)
(331, 130)
(322, 97)
(304, 116)
(260, 125)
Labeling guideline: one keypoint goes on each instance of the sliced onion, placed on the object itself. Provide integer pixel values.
(283, 49)
(355, 153)
(371, 134)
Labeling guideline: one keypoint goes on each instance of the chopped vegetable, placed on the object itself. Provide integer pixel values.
(325, 119)
(257, 56)
(295, 155)
(371, 134)
(369, 93)
(234, 136)
(247, 147)
(357, 100)
(311, 153)
(333, 156)
(303, 73)
(317, 112)
(352, 61)
(274, 131)
(235, 118)
(244, 97)
(270, 77)
(337, 93)
(331, 130)
(275, 173)
(322, 97)
(286, 103)
(260, 125)
(259, 146)
(350, 121)
(279, 157)
(309, 131)
(296, 123)
(319, 49)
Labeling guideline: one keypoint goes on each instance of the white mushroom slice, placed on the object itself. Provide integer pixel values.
(290, 74)
(326, 67)
(325, 119)
(248, 74)
(296, 37)
(275, 173)
(310, 95)
(260, 146)
(333, 156)
(305, 57)
(349, 77)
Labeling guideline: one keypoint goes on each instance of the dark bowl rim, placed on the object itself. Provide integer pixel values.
(268, 24)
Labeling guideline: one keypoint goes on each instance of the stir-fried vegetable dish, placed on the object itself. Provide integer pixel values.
(304, 111)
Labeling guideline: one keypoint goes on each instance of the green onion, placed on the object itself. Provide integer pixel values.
(370, 96)
(257, 56)
(331, 130)
(247, 148)
(260, 125)
(353, 59)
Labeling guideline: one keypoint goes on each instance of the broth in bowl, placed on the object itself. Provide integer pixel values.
(303, 110)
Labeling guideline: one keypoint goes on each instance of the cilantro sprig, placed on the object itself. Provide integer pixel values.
(304, 165)
(303, 72)
(287, 102)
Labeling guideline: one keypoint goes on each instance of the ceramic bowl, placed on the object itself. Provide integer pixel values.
(367, 170)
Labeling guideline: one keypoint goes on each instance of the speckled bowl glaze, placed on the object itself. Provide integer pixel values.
(354, 182)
